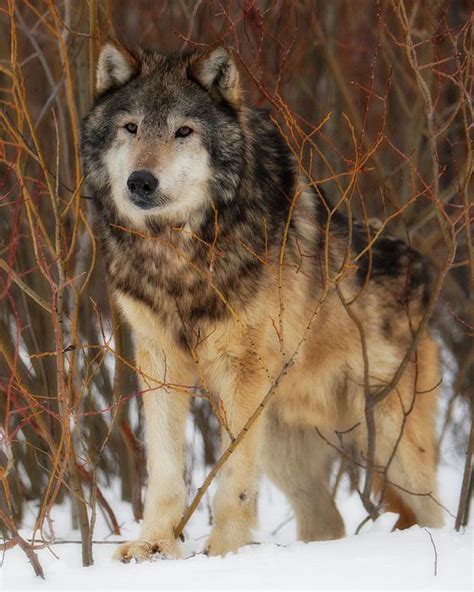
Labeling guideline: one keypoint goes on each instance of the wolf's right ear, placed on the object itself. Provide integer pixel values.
(115, 66)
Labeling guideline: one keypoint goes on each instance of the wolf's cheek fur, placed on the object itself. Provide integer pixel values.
(184, 179)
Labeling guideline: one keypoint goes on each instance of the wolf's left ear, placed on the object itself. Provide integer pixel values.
(216, 71)
(115, 66)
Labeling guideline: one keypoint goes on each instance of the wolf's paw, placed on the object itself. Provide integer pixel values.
(147, 551)
(221, 542)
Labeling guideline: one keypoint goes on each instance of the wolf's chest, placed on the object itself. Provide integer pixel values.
(169, 279)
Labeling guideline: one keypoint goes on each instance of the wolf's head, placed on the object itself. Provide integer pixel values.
(163, 138)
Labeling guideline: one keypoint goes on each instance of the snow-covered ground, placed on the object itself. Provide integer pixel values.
(376, 559)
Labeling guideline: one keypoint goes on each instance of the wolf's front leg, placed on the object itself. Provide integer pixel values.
(165, 413)
(235, 502)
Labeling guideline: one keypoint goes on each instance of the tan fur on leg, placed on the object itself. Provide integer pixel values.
(241, 384)
(165, 411)
(412, 470)
(299, 464)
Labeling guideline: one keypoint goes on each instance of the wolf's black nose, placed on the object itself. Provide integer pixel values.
(142, 184)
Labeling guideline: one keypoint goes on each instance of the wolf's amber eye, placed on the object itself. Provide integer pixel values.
(183, 132)
(131, 128)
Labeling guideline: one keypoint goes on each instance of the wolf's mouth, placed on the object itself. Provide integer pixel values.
(148, 203)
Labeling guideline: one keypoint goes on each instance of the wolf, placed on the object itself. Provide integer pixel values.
(238, 277)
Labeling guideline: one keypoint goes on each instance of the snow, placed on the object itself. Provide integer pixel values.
(376, 559)
(401, 560)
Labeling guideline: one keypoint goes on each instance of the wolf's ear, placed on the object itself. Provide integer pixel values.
(115, 65)
(216, 71)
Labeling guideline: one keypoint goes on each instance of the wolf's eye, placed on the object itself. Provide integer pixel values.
(183, 132)
(131, 128)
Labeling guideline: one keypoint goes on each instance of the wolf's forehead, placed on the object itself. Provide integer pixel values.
(163, 102)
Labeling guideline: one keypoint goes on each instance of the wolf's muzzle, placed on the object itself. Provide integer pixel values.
(142, 186)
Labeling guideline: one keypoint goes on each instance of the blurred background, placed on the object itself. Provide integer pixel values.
(374, 97)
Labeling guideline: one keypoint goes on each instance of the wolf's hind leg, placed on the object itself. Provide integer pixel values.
(411, 489)
(299, 464)
(394, 503)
